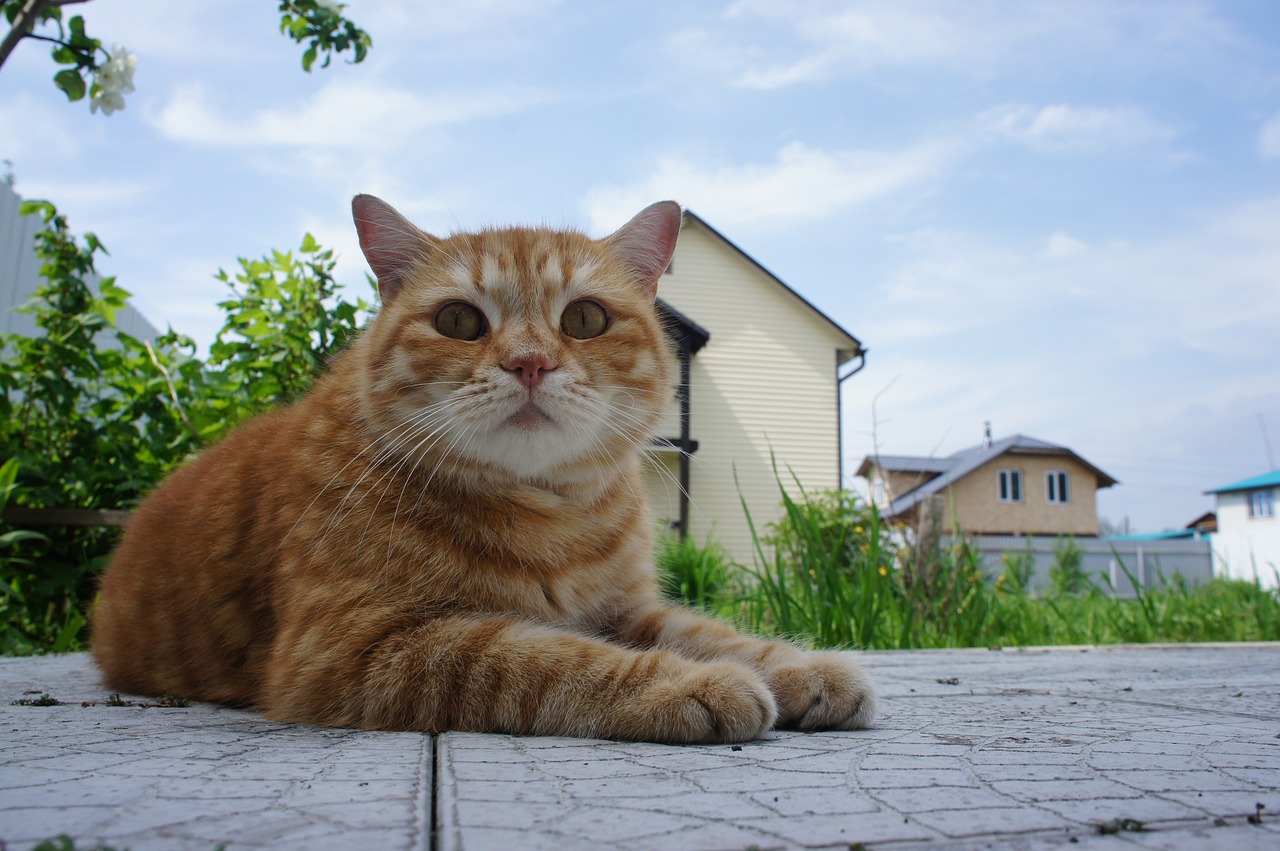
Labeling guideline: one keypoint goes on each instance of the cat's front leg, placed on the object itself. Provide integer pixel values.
(814, 690)
(492, 673)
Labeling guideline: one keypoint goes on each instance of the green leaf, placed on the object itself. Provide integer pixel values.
(308, 59)
(70, 82)
(45, 208)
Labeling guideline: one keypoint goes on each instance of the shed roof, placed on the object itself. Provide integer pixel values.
(846, 353)
(1266, 480)
(955, 467)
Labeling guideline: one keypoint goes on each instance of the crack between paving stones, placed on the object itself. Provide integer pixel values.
(433, 809)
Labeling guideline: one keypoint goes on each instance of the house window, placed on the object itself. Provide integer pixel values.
(1056, 488)
(1009, 483)
(1261, 504)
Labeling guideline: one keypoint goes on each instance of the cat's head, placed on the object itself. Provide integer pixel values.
(532, 351)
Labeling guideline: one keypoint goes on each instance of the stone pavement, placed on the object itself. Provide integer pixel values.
(1020, 750)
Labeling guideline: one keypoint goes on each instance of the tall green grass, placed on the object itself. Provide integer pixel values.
(831, 573)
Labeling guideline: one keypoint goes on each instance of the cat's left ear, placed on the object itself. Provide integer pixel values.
(390, 242)
(645, 244)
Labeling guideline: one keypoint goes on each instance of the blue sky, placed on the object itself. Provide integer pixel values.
(1060, 217)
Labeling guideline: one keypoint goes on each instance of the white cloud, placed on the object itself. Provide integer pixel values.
(810, 40)
(1060, 128)
(31, 128)
(343, 114)
(446, 17)
(189, 33)
(803, 183)
(1205, 288)
(1269, 139)
(105, 200)
(1063, 246)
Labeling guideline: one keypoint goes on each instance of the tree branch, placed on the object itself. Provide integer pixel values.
(24, 22)
(173, 393)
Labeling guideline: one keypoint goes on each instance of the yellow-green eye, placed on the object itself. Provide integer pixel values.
(460, 321)
(584, 319)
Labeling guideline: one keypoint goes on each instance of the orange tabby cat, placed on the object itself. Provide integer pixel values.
(449, 532)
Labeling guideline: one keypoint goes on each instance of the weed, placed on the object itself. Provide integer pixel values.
(1116, 825)
(692, 574)
(833, 574)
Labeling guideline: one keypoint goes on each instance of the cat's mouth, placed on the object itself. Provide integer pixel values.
(530, 417)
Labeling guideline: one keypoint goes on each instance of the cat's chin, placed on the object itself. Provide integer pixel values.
(531, 418)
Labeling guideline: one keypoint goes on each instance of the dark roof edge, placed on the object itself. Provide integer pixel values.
(857, 344)
(695, 335)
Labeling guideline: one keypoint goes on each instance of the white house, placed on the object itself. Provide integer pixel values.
(1247, 543)
(761, 370)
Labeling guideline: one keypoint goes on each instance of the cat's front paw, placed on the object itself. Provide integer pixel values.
(821, 691)
(713, 702)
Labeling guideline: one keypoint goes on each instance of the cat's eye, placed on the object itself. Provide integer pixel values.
(460, 321)
(584, 319)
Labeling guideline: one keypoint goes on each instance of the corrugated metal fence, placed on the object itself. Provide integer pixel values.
(20, 272)
(1105, 560)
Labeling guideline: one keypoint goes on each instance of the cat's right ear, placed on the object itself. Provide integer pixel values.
(390, 242)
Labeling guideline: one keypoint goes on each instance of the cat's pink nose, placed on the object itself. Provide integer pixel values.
(530, 369)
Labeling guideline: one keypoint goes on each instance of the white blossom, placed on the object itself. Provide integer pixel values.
(113, 79)
(331, 5)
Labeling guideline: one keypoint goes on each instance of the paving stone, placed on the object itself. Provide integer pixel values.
(991, 821)
(1032, 791)
(940, 799)
(1029, 752)
(807, 801)
(844, 829)
(1102, 810)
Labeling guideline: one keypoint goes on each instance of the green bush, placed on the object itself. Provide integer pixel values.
(94, 418)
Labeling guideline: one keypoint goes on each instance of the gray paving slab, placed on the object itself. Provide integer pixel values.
(149, 777)
(973, 749)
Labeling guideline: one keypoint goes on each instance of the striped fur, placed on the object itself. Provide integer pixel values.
(434, 540)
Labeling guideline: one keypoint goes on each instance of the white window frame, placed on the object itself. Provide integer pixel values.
(1262, 504)
(1009, 486)
(1057, 487)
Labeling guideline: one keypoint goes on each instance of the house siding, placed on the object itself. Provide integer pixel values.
(764, 383)
(1246, 547)
(975, 503)
(898, 483)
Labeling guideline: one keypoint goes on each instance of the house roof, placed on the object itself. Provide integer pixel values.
(847, 353)
(955, 467)
(904, 464)
(1266, 480)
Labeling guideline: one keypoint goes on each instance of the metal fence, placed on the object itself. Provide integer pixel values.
(1104, 560)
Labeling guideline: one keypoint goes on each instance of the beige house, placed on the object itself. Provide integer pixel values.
(1015, 486)
(761, 370)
